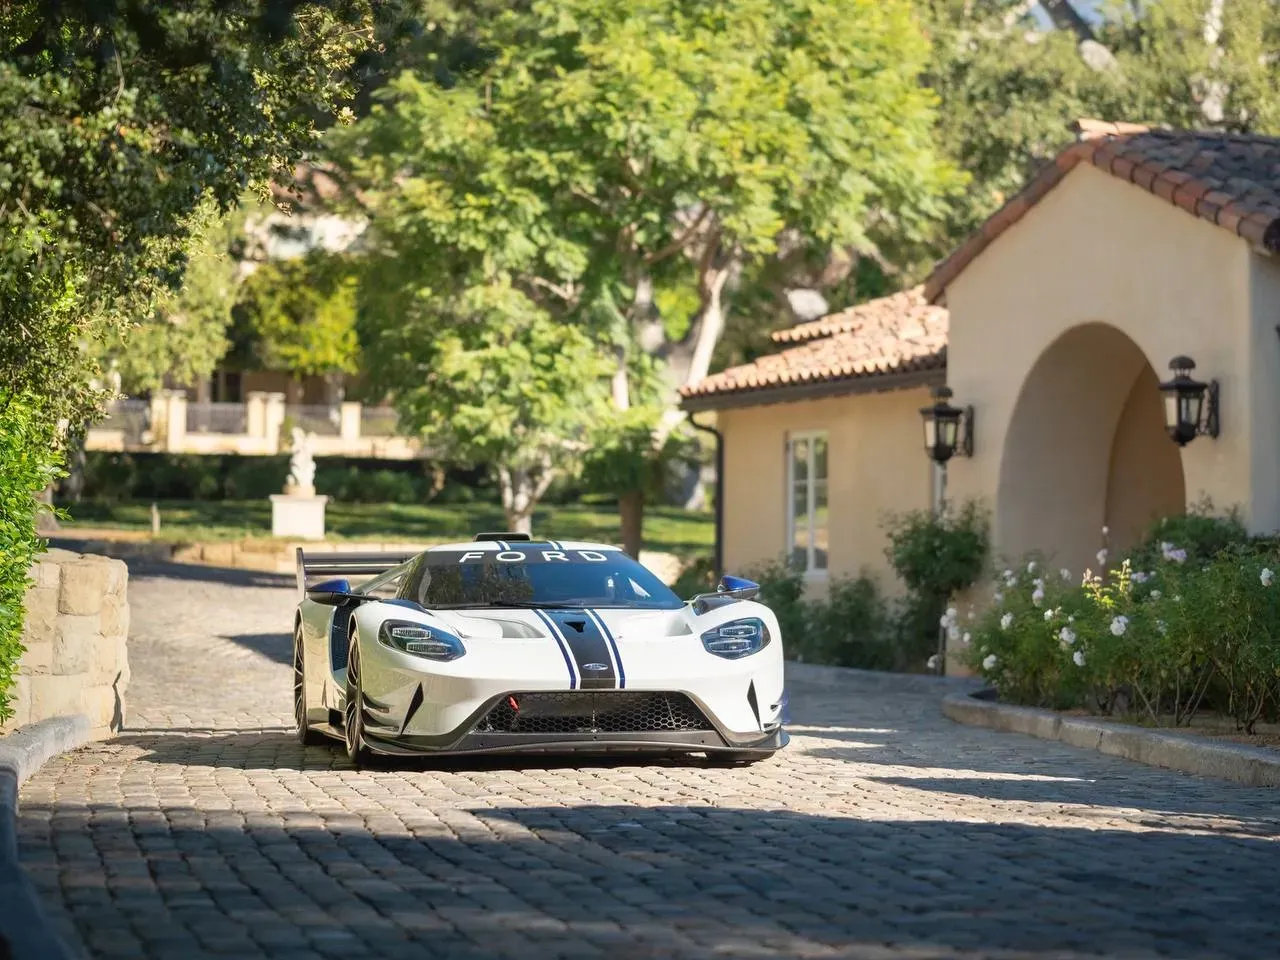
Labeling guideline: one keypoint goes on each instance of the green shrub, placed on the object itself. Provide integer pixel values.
(28, 463)
(936, 554)
(1201, 533)
(782, 591)
(115, 477)
(851, 627)
(1160, 643)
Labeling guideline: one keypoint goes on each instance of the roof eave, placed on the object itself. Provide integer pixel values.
(817, 389)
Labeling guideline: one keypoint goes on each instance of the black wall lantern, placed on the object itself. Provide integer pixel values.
(1190, 405)
(948, 430)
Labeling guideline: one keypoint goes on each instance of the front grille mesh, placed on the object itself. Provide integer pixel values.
(601, 711)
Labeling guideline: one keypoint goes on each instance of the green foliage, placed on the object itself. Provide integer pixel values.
(1161, 642)
(28, 463)
(1201, 532)
(186, 336)
(939, 554)
(597, 150)
(121, 477)
(299, 316)
(117, 122)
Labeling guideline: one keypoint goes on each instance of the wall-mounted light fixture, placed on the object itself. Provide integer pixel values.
(1190, 405)
(948, 429)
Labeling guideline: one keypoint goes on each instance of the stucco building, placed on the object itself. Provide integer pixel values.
(1056, 323)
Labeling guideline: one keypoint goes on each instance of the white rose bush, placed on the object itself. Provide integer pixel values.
(1188, 621)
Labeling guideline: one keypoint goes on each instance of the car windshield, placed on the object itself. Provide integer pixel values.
(536, 577)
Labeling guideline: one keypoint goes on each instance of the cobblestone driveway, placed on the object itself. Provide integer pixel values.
(883, 832)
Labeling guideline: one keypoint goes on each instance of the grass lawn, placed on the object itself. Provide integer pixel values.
(668, 529)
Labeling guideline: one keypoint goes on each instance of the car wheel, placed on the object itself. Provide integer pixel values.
(306, 736)
(353, 717)
(737, 758)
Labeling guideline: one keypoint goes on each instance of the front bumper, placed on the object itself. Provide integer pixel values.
(603, 733)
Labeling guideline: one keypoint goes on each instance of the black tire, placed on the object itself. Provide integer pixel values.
(353, 715)
(306, 736)
(737, 758)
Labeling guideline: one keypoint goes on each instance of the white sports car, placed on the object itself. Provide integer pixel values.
(508, 644)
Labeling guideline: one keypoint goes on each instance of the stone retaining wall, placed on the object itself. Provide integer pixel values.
(75, 634)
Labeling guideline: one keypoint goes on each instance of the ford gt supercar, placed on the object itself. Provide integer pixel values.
(509, 644)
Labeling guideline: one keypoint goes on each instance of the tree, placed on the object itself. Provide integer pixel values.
(1009, 89)
(186, 335)
(604, 152)
(117, 121)
(300, 316)
(494, 380)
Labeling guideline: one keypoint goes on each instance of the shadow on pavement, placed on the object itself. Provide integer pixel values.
(280, 750)
(274, 646)
(670, 881)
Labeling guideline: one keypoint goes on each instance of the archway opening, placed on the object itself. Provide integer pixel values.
(1086, 448)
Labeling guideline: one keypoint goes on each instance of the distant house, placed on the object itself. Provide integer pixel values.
(1056, 322)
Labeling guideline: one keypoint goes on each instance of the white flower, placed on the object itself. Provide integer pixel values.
(1010, 578)
(1106, 530)
(932, 662)
(1170, 552)
(1071, 618)
(1065, 574)
(1067, 636)
(1177, 598)
(1102, 557)
(1006, 621)
(1119, 625)
(1267, 576)
(1078, 658)
(998, 598)
(953, 632)
(1156, 594)
(1048, 615)
(970, 614)
(951, 613)
(967, 638)
(1037, 597)
(1031, 567)
(989, 662)
(1162, 627)
(1140, 577)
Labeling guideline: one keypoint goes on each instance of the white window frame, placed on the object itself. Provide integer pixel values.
(809, 569)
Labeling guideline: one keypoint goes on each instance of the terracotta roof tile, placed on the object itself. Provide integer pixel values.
(896, 334)
(1227, 179)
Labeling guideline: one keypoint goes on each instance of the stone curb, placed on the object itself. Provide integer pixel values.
(1252, 766)
(25, 931)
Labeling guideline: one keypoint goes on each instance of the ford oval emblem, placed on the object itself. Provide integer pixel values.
(595, 667)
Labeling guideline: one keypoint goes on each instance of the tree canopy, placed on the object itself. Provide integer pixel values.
(118, 121)
(601, 158)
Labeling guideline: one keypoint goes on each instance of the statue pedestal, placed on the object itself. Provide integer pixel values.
(298, 517)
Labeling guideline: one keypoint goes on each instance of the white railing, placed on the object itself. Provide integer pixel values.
(170, 423)
(378, 421)
(321, 420)
(217, 418)
(131, 417)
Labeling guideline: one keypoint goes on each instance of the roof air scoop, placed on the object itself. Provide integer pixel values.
(509, 537)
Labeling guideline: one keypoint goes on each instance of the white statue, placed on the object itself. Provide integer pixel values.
(302, 465)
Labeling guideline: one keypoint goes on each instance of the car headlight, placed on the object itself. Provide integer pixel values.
(421, 641)
(737, 638)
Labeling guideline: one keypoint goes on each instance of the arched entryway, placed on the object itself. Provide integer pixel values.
(1086, 448)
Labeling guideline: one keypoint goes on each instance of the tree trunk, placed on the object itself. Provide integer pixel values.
(631, 513)
(521, 489)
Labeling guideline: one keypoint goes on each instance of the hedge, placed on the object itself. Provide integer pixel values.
(28, 464)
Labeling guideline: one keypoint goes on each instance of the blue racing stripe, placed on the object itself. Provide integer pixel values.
(613, 646)
(564, 649)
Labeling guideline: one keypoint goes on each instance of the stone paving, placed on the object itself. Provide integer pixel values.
(884, 831)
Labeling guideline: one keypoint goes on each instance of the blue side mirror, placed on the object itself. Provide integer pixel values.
(332, 593)
(739, 588)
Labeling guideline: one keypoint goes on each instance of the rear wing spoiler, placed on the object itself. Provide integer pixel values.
(363, 565)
